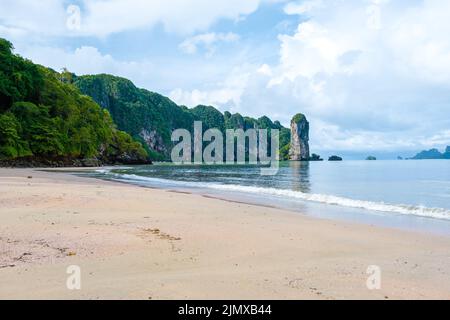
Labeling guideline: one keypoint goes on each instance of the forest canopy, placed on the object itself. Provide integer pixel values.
(44, 115)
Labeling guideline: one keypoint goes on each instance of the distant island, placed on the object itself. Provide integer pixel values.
(315, 157)
(432, 154)
(335, 158)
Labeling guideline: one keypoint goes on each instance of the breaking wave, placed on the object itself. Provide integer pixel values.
(437, 213)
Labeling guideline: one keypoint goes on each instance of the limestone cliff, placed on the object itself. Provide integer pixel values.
(299, 150)
(150, 118)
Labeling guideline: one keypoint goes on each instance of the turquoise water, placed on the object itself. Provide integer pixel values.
(407, 194)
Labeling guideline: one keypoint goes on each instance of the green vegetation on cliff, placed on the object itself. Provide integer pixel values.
(42, 115)
(151, 118)
(298, 117)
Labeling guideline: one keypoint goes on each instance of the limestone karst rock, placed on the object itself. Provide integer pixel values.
(299, 150)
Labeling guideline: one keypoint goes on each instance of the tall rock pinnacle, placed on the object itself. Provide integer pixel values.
(299, 150)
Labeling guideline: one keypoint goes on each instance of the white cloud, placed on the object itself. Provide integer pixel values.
(208, 41)
(302, 7)
(441, 138)
(181, 16)
(371, 75)
(265, 69)
(225, 94)
(412, 37)
(419, 40)
(89, 60)
(101, 18)
(22, 17)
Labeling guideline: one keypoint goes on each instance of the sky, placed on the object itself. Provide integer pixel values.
(372, 76)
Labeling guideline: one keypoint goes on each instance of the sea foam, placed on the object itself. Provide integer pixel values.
(422, 211)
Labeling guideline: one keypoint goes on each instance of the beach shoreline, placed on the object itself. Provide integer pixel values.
(140, 243)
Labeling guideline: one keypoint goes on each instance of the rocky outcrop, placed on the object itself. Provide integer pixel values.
(66, 162)
(335, 158)
(153, 140)
(50, 162)
(315, 157)
(299, 150)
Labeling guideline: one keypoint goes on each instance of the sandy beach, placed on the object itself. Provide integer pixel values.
(141, 243)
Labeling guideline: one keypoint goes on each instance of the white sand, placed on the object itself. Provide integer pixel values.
(138, 243)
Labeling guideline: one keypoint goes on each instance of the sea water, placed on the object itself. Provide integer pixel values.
(412, 195)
